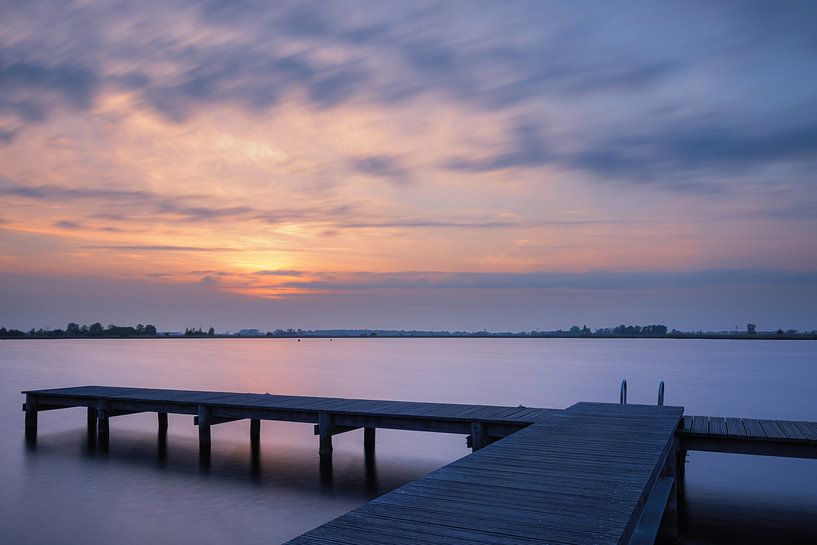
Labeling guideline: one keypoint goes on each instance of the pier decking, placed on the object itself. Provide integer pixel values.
(592, 473)
(750, 436)
(482, 423)
(583, 475)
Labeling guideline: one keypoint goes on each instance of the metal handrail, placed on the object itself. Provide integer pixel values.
(661, 394)
(623, 395)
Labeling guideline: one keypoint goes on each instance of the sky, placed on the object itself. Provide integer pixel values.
(427, 165)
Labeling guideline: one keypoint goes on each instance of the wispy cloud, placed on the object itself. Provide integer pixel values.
(362, 281)
(156, 248)
(141, 205)
(68, 224)
(694, 156)
(28, 88)
(279, 272)
(382, 166)
(592, 280)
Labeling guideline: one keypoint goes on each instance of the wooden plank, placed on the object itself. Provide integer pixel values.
(772, 429)
(700, 424)
(717, 425)
(753, 428)
(791, 430)
(809, 429)
(734, 427)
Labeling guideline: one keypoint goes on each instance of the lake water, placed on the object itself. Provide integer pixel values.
(62, 490)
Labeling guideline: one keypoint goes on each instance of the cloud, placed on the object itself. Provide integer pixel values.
(29, 88)
(145, 205)
(592, 280)
(423, 223)
(279, 272)
(691, 156)
(57, 192)
(697, 146)
(325, 54)
(68, 224)
(7, 135)
(382, 166)
(140, 204)
(526, 149)
(157, 248)
(254, 79)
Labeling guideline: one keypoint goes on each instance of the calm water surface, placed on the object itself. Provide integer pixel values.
(62, 490)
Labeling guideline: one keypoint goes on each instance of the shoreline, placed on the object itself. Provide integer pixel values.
(714, 336)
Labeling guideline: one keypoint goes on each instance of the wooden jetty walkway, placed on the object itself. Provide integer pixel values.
(750, 436)
(482, 423)
(593, 473)
(585, 475)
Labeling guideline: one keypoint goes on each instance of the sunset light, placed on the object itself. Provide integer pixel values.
(360, 153)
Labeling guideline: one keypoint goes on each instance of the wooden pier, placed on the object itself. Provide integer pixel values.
(331, 416)
(750, 436)
(593, 473)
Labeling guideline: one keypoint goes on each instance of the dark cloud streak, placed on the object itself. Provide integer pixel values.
(592, 280)
(158, 248)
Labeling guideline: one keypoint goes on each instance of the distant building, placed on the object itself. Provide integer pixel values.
(249, 333)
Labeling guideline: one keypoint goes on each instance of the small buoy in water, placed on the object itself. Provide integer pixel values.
(299, 340)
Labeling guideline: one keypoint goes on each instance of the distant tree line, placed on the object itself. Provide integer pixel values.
(575, 331)
(75, 330)
(637, 330)
(193, 332)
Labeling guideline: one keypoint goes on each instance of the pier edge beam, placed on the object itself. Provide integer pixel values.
(369, 441)
(31, 416)
(325, 432)
(255, 432)
(103, 420)
(204, 429)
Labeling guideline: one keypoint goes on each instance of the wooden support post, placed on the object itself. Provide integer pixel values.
(668, 531)
(680, 471)
(31, 417)
(162, 419)
(368, 440)
(325, 431)
(91, 421)
(255, 432)
(162, 423)
(103, 414)
(204, 429)
(479, 438)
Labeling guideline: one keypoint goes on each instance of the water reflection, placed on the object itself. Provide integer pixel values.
(300, 469)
